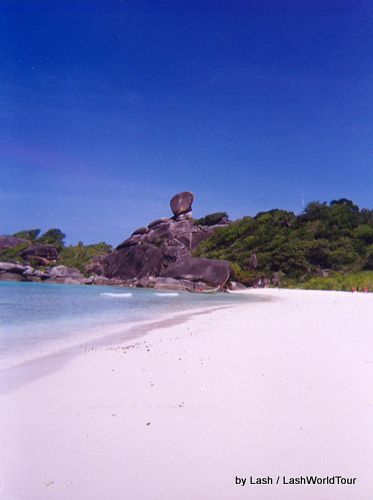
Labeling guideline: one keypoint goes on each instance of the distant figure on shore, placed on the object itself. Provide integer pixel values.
(353, 289)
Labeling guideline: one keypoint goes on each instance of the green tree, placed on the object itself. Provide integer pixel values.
(212, 219)
(29, 234)
(80, 255)
(336, 237)
(52, 237)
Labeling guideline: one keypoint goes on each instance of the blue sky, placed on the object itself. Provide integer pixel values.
(109, 108)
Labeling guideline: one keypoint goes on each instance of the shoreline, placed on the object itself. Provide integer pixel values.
(125, 333)
(74, 336)
(278, 388)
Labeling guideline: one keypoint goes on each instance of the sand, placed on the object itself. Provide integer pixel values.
(222, 406)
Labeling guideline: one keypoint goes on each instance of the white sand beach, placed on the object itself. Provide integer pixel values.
(274, 391)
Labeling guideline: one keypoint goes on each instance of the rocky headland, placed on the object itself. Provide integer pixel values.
(157, 255)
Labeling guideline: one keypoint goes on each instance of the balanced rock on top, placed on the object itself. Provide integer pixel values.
(181, 203)
(159, 254)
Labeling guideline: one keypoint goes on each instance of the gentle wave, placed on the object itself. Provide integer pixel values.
(120, 295)
(171, 294)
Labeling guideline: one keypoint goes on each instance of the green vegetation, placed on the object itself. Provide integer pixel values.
(12, 253)
(337, 237)
(337, 281)
(80, 255)
(212, 219)
(295, 250)
(30, 234)
(52, 237)
(72, 256)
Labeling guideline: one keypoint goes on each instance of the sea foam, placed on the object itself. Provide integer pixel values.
(168, 294)
(117, 295)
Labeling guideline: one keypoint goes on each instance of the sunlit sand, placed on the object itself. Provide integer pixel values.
(264, 392)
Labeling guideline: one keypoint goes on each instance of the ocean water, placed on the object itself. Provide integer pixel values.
(37, 319)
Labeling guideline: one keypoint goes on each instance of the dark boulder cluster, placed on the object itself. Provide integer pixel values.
(41, 255)
(15, 271)
(158, 255)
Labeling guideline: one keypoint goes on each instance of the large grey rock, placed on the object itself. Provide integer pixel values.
(141, 230)
(142, 264)
(161, 232)
(28, 271)
(66, 275)
(132, 240)
(11, 241)
(20, 272)
(43, 254)
(236, 287)
(39, 274)
(64, 272)
(169, 232)
(158, 255)
(259, 282)
(5, 276)
(12, 267)
(253, 264)
(172, 284)
(181, 203)
(209, 271)
(157, 222)
(128, 263)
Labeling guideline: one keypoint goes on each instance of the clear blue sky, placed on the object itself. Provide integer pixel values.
(109, 108)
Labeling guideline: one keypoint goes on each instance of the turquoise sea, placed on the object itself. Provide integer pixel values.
(37, 319)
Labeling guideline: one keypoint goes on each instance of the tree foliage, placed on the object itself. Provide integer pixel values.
(80, 255)
(72, 256)
(53, 237)
(28, 234)
(338, 237)
(212, 219)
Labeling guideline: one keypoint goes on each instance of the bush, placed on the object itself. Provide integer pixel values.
(212, 219)
(337, 237)
(79, 256)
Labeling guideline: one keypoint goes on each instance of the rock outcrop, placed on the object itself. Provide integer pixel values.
(209, 271)
(253, 264)
(15, 271)
(11, 241)
(155, 254)
(259, 282)
(40, 254)
(63, 274)
(181, 204)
